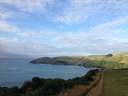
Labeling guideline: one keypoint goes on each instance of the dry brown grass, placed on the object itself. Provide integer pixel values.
(97, 90)
(76, 91)
(81, 90)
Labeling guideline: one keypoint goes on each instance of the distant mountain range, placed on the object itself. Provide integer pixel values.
(113, 61)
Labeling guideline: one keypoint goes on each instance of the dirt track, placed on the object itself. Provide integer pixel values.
(97, 89)
(94, 88)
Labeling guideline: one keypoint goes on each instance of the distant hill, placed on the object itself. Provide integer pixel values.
(114, 61)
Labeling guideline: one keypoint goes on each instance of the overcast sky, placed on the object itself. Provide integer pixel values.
(39, 28)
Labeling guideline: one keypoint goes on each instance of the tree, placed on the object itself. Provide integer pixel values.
(109, 55)
(38, 82)
(13, 90)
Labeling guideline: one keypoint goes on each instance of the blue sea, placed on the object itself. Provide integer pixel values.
(14, 71)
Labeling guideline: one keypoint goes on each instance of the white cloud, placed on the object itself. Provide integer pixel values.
(100, 39)
(5, 15)
(85, 43)
(40, 34)
(70, 12)
(16, 46)
(77, 11)
(105, 30)
(28, 5)
(66, 44)
(6, 26)
(9, 27)
(97, 40)
(110, 28)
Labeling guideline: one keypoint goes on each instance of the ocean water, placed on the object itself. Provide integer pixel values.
(13, 72)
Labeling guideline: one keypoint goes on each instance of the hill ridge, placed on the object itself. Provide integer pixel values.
(113, 61)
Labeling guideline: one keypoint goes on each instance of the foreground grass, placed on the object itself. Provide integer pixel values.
(115, 83)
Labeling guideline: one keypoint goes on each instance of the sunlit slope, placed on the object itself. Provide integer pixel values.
(118, 60)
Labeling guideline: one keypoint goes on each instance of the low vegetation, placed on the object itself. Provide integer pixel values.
(112, 61)
(115, 83)
(47, 87)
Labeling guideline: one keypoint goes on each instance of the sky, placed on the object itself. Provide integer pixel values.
(49, 28)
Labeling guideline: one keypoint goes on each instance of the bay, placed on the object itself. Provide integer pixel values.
(14, 71)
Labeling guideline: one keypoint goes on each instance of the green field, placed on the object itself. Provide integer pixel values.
(115, 83)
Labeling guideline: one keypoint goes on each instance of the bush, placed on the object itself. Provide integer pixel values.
(46, 87)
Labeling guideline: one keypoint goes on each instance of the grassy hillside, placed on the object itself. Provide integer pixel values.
(118, 60)
(114, 61)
